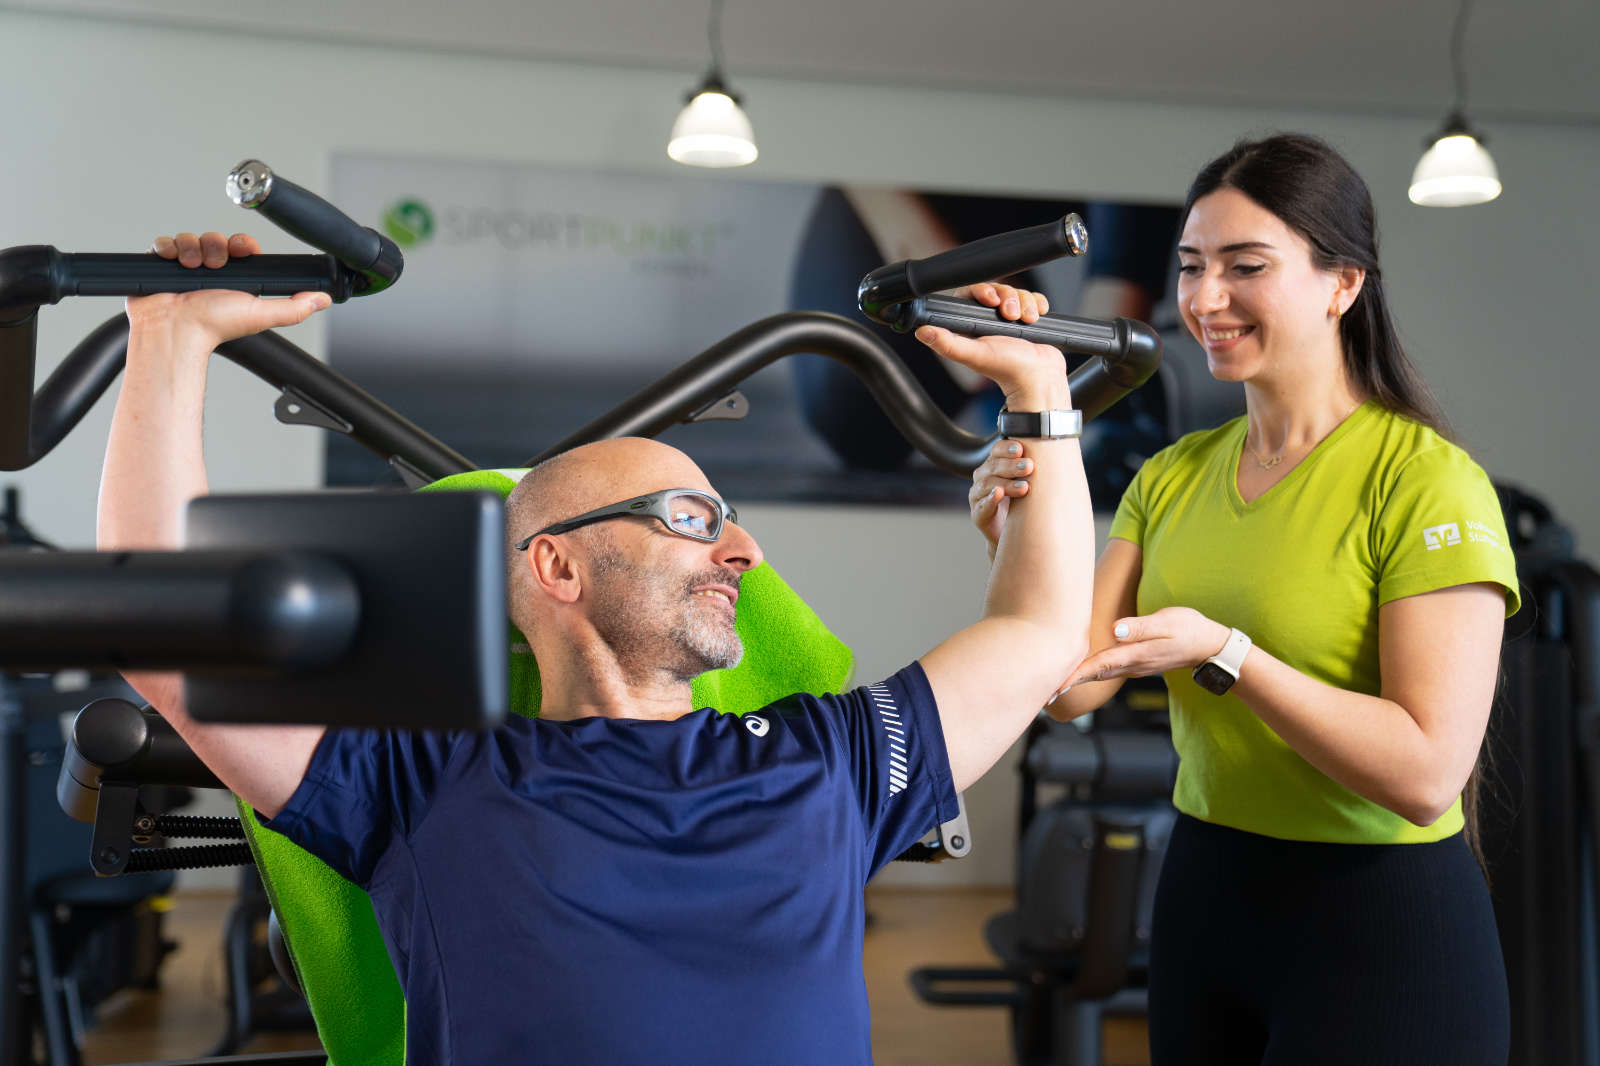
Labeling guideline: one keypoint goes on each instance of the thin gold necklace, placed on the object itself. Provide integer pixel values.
(1268, 464)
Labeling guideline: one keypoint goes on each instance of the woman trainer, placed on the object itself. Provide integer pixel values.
(1323, 585)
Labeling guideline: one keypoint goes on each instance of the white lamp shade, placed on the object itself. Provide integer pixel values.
(1455, 172)
(712, 131)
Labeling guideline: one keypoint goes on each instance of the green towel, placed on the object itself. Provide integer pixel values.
(333, 935)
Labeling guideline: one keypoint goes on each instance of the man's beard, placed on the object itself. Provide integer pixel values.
(650, 622)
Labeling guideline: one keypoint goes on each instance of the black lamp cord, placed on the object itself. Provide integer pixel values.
(714, 34)
(1458, 66)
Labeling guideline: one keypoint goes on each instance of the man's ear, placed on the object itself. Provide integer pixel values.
(554, 570)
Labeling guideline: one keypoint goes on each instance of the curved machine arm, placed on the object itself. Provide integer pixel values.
(359, 261)
(1125, 353)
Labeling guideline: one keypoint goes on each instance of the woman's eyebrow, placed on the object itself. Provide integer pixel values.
(1240, 246)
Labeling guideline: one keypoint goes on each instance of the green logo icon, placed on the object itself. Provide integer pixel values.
(408, 222)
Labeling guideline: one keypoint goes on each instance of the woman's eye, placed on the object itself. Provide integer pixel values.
(1188, 268)
(1250, 268)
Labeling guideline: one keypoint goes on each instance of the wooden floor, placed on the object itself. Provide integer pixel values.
(909, 928)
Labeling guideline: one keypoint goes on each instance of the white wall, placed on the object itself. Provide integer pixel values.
(117, 132)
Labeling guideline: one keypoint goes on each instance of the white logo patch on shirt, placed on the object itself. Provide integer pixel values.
(1444, 536)
(756, 724)
(890, 713)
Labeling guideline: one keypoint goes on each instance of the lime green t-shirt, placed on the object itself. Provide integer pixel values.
(1383, 508)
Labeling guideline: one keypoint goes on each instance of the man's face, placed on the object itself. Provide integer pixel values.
(660, 601)
(664, 605)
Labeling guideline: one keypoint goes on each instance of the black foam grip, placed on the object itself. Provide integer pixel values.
(991, 257)
(303, 214)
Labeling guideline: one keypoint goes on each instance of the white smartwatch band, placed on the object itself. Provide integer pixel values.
(1217, 674)
(1231, 657)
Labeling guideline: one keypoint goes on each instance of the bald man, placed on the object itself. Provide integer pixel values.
(626, 879)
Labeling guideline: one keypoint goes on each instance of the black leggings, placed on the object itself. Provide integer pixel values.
(1292, 954)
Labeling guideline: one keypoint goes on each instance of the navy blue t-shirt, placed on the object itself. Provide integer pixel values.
(627, 891)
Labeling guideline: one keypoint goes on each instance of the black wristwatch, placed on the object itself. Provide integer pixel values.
(1040, 425)
(1217, 674)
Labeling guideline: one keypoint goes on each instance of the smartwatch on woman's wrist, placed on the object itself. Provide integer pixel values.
(1217, 674)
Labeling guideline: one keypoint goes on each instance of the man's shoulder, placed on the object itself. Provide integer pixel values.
(907, 685)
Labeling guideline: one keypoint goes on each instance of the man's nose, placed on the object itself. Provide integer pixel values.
(737, 549)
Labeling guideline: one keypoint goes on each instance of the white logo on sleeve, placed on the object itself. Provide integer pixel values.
(894, 730)
(756, 724)
(1445, 536)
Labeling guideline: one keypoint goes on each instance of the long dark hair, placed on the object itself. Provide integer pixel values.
(1316, 193)
(1311, 188)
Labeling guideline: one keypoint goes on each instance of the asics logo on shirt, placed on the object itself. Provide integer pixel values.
(756, 724)
(1444, 536)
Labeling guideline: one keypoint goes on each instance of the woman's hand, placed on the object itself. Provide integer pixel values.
(1174, 638)
(1013, 303)
(217, 315)
(1002, 478)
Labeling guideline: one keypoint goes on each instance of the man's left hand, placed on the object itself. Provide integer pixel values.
(1012, 303)
(1173, 638)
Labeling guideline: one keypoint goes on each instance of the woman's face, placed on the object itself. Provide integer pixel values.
(1249, 293)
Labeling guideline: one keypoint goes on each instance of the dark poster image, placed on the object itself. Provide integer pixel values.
(535, 300)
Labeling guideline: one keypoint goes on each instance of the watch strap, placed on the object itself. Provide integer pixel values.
(1231, 657)
(1040, 425)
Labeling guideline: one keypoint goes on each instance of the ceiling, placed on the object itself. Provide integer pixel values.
(1530, 60)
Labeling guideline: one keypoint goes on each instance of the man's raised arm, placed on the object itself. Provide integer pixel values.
(991, 678)
(154, 466)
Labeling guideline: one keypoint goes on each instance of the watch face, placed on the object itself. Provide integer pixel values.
(1213, 678)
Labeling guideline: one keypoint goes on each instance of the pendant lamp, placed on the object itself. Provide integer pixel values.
(1456, 170)
(712, 130)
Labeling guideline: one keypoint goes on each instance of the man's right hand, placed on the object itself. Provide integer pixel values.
(215, 316)
(155, 465)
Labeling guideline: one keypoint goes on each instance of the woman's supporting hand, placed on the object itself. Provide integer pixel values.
(1173, 638)
(1002, 478)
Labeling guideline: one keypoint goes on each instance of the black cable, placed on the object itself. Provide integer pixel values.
(714, 33)
(1458, 65)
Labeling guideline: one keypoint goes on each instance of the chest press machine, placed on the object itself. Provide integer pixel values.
(294, 610)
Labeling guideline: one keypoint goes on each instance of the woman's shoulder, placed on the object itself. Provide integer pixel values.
(1405, 442)
(1408, 457)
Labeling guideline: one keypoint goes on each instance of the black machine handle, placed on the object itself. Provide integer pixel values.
(114, 739)
(904, 296)
(359, 262)
(1128, 351)
(1119, 339)
(33, 275)
(304, 214)
(989, 257)
(201, 611)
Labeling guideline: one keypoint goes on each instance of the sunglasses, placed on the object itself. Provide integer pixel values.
(686, 512)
